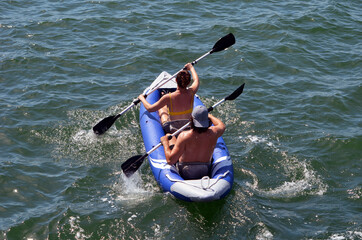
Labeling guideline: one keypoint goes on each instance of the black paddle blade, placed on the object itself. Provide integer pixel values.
(236, 93)
(132, 164)
(105, 124)
(223, 43)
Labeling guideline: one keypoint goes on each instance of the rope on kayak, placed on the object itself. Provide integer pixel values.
(202, 181)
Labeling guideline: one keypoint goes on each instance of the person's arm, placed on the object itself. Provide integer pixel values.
(196, 83)
(153, 107)
(219, 126)
(166, 147)
(172, 156)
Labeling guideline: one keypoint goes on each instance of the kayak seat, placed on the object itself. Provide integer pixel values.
(193, 170)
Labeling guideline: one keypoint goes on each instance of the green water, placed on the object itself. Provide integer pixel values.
(294, 135)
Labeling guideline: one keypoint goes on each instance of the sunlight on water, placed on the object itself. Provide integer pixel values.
(347, 235)
(76, 229)
(263, 232)
(355, 193)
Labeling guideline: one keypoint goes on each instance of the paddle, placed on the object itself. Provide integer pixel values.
(106, 123)
(132, 164)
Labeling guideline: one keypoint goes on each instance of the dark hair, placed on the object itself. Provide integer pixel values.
(198, 129)
(183, 78)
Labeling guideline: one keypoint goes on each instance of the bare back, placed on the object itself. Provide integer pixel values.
(197, 147)
(180, 104)
(192, 146)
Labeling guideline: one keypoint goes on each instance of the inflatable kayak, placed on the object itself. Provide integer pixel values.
(209, 188)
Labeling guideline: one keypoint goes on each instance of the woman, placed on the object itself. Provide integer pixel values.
(175, 108)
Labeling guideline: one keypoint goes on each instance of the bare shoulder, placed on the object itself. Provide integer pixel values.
(165, 96)
(164, 99)
(217, 130)
(185, 135)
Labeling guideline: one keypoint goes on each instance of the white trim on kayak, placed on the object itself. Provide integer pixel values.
(219, 163)
(197, 191)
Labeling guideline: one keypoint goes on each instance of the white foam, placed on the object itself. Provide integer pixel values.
(257, 139)
(132, 190)
(347, 235)
(85, 137)
(303, 179)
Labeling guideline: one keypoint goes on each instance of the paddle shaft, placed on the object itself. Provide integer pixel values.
(136, 101)
(173, 76)
(183, 128)
(132, 164)
(169, 138)
(222, 44)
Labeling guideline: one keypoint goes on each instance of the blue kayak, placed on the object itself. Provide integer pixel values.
(209, 188)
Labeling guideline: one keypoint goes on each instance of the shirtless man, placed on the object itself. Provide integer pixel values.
(175, 108)
(193, 149)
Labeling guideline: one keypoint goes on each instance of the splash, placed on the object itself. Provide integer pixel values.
(133, 190)
(74, 139)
